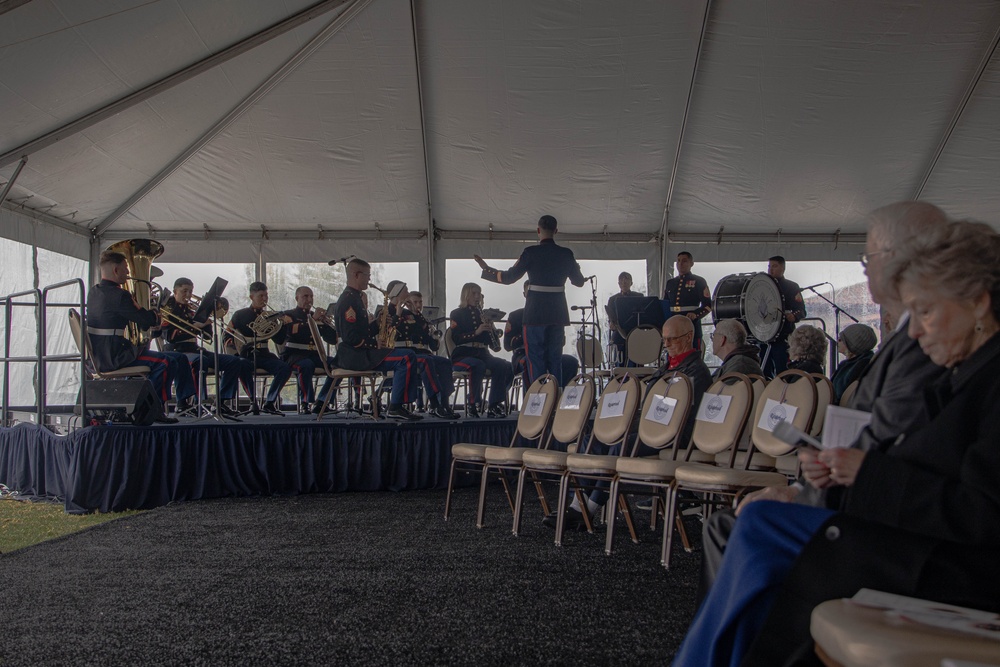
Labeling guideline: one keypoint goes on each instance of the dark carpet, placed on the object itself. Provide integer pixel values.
(345, 579)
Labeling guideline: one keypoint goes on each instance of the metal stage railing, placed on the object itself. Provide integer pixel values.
(41, 306)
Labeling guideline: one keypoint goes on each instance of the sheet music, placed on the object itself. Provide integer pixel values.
(841, 426)
(661, 409)
(775, 412)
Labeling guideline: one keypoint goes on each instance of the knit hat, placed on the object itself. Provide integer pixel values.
(859, 338)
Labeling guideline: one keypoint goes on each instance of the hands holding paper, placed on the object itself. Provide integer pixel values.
(830, 467)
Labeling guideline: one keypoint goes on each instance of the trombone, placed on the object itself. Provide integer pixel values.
(180, 322)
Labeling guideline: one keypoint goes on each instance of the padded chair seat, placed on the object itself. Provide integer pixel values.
(863, 637)
(127, 371)
(697, 456)
(705, 475)
(648, 468)
(760, 460)
(506, 455)
(543, 459)
(469, 452)
(592, 463)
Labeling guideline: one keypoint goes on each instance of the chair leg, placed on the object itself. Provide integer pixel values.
(451, 481)
(519, 501)
(679, 521)
(506, 488)
(482, 496)
(582, 502)
(668, 522)
(561, 508)
(613, 497)
(546, 510)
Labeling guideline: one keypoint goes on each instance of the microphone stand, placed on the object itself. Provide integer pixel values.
(837, 310)
(597, 315)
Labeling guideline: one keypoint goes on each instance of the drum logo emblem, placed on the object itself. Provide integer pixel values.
(714, 407)
(777, 415)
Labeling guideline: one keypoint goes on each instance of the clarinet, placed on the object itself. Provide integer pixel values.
(494, 332)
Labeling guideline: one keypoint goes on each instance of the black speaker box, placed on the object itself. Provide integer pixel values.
(132, 399)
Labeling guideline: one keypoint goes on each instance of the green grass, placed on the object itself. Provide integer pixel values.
(23, 524)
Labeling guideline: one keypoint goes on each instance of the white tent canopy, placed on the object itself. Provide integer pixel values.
(424, 129)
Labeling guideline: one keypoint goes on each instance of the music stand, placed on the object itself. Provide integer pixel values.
(209, 303)
(633, 311)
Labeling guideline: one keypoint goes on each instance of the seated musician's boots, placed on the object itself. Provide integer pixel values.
(496, 412)
(317, 407)
(183, 405)
(473, 410)
(271, 408)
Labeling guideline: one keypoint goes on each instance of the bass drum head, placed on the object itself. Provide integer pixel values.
(752, 298)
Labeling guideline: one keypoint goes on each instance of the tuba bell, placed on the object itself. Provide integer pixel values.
(139, 255)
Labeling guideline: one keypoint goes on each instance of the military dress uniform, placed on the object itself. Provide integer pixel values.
(776, 352)
(687, 294)
(301, 354)
(109, 310)
(472, 355)
(358, 351)
(414, 333)
(546, 314)
(232, 369)
(260, 356)
(513, 341)
(617, 339)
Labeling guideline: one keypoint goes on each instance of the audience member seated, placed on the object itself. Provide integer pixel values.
(729, 343)
(807, 349)
(919, 514)
(857, 343)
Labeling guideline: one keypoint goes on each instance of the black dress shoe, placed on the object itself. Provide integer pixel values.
(304, 408)
(444, 413)
(573, 520)
(317, 406)
(496, 412)
(270, 408)
(225, 410)
(183, 405)
(166, 420)
(402, 414)
(473, 411)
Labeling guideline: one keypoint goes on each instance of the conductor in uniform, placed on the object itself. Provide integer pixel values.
(793, 309)
(513, 342)
(359, 351)
(300, 348)
(688, 295)
(546, 314)
(250, 347)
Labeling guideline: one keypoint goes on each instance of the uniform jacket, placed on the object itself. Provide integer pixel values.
(240, 322)
(414, 328)
(513, 335)
(688, 294)
(464, 322)
(922, 518)
(357, 350)
(547, 265)
(299, 333)
(111, 308)
(791, 301)
(176, 340)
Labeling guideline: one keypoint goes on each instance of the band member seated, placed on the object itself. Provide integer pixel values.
(414, 333)
(181, 334)
(300, 348)
(249, 346)
(359, 350)
(109, 310)
(617, 333)
(513, 341)
(474, 338)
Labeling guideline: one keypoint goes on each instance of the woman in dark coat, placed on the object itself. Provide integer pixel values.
(856, 342)
(919, 515)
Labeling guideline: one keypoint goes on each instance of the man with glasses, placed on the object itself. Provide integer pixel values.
(682, 357)
(729, 343)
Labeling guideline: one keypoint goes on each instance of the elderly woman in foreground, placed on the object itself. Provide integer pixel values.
(918, 515)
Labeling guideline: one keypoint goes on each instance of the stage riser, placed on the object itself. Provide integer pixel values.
(116, 468)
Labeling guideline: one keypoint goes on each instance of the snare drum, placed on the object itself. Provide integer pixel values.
(752, 298)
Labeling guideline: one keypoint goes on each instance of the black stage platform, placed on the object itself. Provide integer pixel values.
(114, 468)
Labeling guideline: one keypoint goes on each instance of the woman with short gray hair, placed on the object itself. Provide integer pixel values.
(807, 349)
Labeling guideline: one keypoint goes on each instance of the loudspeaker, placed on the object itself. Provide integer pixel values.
(132, 399)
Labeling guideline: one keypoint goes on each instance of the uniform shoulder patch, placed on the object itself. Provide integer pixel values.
(350, 315)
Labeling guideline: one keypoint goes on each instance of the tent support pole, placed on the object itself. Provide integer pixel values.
(170, 81)
(13, 177)
(430, 284)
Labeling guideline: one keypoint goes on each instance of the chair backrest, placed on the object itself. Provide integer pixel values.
(82, 342)
(824, 397)
(848, 395)
(713, 437)
(540, 399)
(643, 345)
(568, 423)
(318, 342)
(653, 430)
(794, 388)
(615, 411)
(589, 352)
(449, 342)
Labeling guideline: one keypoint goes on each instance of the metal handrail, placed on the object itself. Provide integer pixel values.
(9, 304)
(45, 357)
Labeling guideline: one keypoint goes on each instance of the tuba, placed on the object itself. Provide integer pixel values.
(386, 336)
(139, 256)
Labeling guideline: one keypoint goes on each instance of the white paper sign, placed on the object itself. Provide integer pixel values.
(571, 398)
(613, 404)
(841, 426)
(535, 405)
(661, 409)
(713, 408)
(775, 412)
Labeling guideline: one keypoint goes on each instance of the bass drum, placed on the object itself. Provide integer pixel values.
(752, 298)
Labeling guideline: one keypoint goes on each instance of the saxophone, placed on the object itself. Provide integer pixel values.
(494, 332)
(386, 336)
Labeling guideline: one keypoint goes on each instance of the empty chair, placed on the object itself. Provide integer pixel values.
(642, 347)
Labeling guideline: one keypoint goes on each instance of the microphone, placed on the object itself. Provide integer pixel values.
(817, 285)
(589, 278)
(342, 259)
(581, 307)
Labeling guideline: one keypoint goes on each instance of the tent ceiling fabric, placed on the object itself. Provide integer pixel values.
(803, 116)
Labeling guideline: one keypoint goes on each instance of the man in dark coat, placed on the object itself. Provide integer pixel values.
(618, 334)
(546, 314)
(359, 351)
(729, 343)
(793, 309)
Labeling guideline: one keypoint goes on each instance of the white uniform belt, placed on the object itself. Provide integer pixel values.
(300, 346)
(684, 309)
(410, 343)
(547, 288)
(482, 345)
(105, 332)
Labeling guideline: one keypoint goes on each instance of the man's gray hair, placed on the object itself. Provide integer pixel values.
(895, 223)
(734, 332)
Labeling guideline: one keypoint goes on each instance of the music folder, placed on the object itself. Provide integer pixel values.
(208, 301)
(631, 311)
